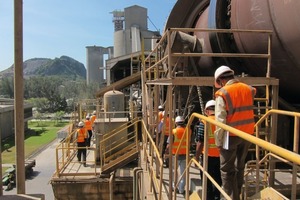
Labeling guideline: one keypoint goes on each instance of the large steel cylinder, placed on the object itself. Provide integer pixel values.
(114, 104)
(282, 17)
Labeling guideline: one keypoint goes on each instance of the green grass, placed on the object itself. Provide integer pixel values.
(39, 135)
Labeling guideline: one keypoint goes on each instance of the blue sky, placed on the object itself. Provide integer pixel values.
(52, 28)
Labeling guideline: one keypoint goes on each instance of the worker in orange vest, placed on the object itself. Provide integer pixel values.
(160, 113)
(234, 106)
(81, 137)
(165, 129)
(93, 118)
(177, 136)
(88, 127)
(213, 152)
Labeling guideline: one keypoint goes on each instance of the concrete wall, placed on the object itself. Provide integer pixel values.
(7, 121)
(7, 118)
(94, 189)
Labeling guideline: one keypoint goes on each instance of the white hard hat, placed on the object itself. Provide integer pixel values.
(81, 124)
(87, 116)
(210, 103)
(222, 70)
(160, 107)
(94, 112)
(179, 119)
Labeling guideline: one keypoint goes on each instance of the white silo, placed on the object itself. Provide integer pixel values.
(128, 40)
(94, 65)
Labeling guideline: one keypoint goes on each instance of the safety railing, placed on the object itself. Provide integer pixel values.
(168, 55)
(154, 161)
(285, 156)
(290, 156)
(66, 151)
(112, 145)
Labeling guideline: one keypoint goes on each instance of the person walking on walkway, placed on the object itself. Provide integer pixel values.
(93, 118)
(81, 136)
(88, 127)
(177, 136)
(213, 152)
(164, 129)
(234, 107)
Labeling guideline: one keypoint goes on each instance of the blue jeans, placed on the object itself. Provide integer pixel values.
(181, 167)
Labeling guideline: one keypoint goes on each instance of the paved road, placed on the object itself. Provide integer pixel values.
(39, 182)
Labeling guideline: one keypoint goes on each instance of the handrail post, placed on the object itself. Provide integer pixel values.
(296, 150)
(205, 161)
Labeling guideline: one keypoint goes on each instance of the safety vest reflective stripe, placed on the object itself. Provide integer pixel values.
(178, 133)
(238, 98)
(88, 125)
(81, 134)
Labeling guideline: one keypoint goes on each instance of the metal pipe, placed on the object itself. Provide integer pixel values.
(111, 186)
(136, 171)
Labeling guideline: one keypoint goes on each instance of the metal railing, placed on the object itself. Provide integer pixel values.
(66, 151)
(152, 71)
(154, 161)
(115, 143)
(290, 156)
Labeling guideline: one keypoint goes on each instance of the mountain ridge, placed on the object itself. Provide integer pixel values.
(64, 66)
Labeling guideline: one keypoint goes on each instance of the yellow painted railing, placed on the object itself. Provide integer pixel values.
(153, 157)
(290, 156)
(112, 143)
(66, 151)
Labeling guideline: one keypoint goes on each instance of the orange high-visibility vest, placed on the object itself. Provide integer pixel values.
(238, 98)
(160, 115)
(166, 127)
(93, 118)
(88, 124)
(178, 133)
(81, 134)
(213, 150)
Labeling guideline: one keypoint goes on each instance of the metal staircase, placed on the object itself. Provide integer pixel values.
(119, 147)
(120, 159)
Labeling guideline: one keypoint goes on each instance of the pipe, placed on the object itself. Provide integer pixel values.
(136, 171)
(111, 185)
(280, 17)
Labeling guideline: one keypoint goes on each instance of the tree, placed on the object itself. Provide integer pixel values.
(59, 115)
(7, 87)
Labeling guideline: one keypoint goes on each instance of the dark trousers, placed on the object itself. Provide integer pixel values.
(90, 132)
(213, 169)
(232, 166)
(81, 151)
(164, 145)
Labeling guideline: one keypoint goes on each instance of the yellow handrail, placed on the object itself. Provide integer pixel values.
(284, 153)
(150, 151)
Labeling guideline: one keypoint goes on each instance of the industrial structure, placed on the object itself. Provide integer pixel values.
(199, 36)
(95, 56)
(130, 30)
(258, 39)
